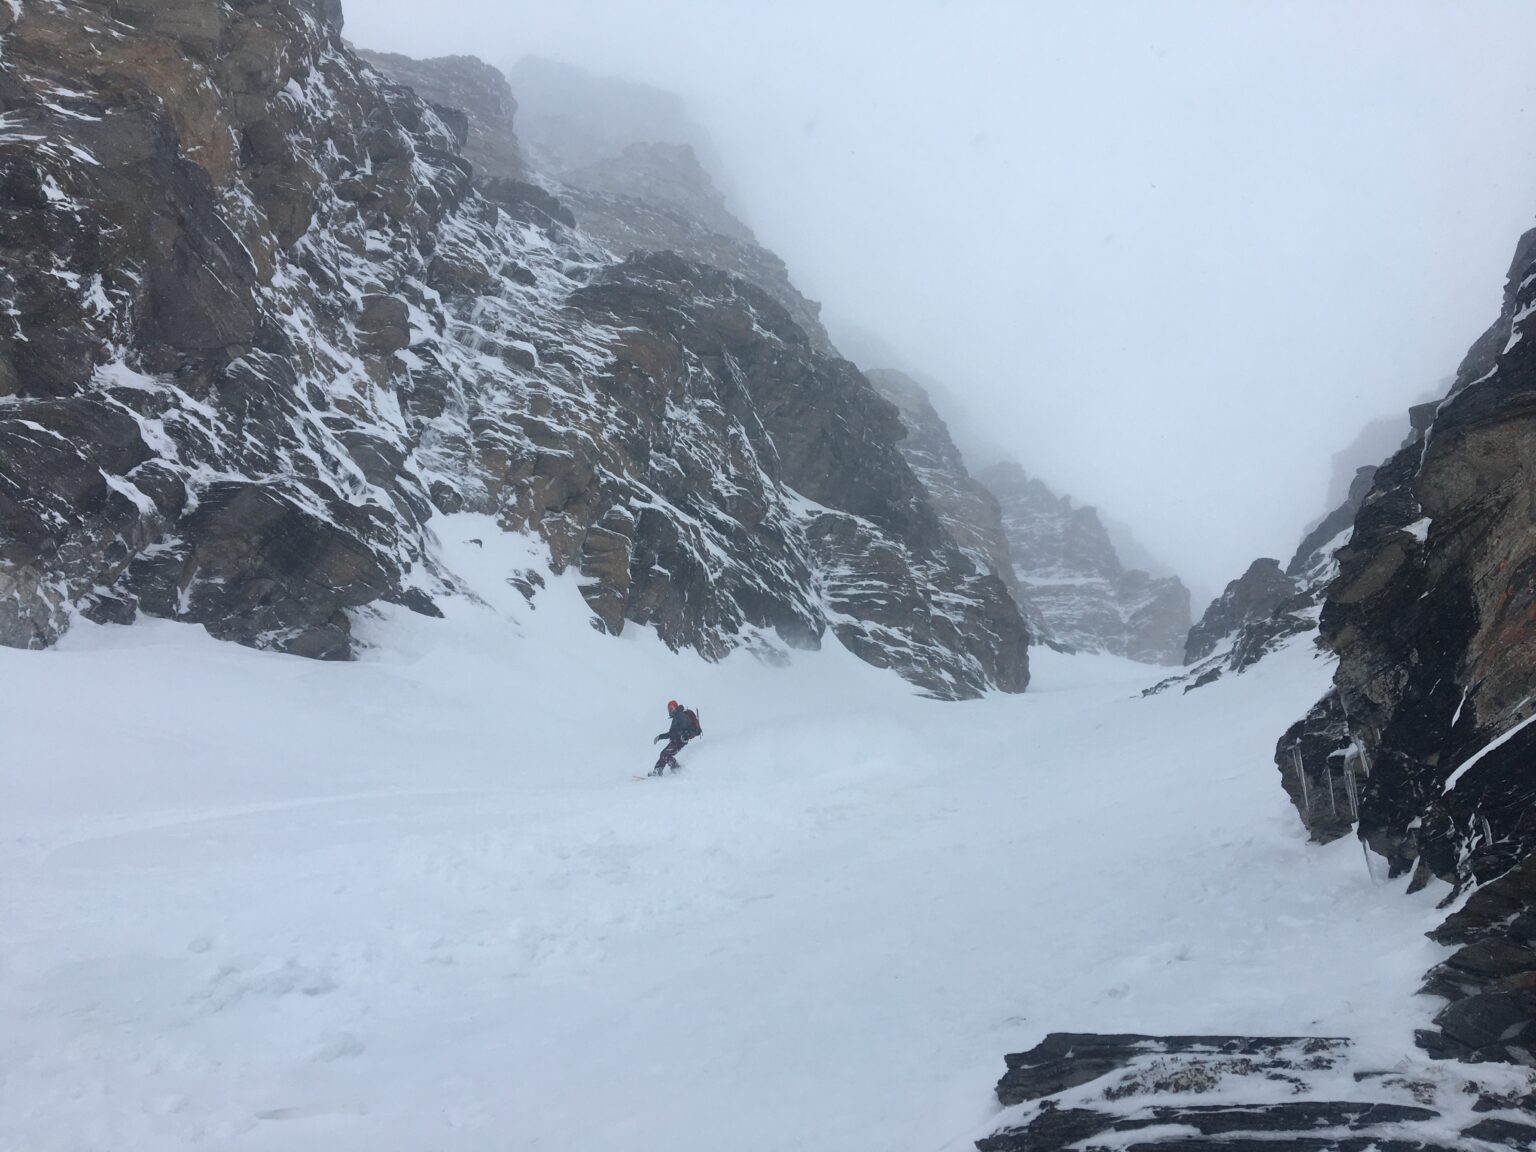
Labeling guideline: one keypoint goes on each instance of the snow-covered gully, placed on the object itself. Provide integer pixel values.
(255, 902)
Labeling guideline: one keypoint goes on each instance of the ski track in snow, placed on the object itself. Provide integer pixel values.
(416, 902)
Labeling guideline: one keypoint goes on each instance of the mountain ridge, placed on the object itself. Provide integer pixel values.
(257, 416)
(1069, 569)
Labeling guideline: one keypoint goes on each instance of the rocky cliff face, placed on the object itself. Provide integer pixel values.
(967, 509)
(1067, 568)
(1427, 616)
(1250, 599)
(657, 197)
(1265, 605)
(472, 98)
(259, 330)
(622, 157)
(178, 436)
(894, 586)
(1432, 614)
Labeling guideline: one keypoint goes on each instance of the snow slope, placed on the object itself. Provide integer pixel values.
(249, 901)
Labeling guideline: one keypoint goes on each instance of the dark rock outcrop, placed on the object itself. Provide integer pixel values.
(1313, 555)
(1067, 569)
(1066, 1060)
(1252, 596)
(1432, 614)
(641, 220)
(1264, 607)
(898, 590)
(1490, 981)
(468, 87)
(1077, 1090)
(257, 329)
(625, 159)
(1322, 770)
(256, 566)
(967, 508)
(1433, 617)
(529, 203)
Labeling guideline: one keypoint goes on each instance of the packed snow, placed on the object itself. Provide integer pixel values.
(249, 901)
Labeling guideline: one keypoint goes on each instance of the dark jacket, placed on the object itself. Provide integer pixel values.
(682, 727)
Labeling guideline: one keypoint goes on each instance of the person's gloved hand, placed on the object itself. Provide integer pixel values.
(659, 739)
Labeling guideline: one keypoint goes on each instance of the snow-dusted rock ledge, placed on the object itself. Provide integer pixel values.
(1249, 1094)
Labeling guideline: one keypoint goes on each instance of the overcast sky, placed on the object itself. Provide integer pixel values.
(1172, 255)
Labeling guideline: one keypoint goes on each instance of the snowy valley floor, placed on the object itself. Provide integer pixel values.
(418, 903)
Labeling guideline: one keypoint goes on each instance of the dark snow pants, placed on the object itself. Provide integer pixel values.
(668, 755)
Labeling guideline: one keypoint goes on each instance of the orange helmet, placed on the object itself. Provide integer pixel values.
(671, 705)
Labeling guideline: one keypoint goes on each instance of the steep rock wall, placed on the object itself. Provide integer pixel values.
(473, 98)
(1432, 614)
(257, 329)
(967, 509)
(1067, 568)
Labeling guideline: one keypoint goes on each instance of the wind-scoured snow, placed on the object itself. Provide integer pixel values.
(417, 901)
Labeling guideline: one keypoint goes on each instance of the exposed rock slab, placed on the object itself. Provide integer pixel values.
(1490, 981)
(1231, 1093)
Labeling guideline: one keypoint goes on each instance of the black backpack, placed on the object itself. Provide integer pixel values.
(693, 723)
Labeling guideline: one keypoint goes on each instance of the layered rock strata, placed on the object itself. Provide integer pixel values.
(1428, 615)
(1066, 568)
(1432, 616)
(967, 508)
(258, 329)
(658, 197)
(636, 172)
(473, 98)
(1246, 1094)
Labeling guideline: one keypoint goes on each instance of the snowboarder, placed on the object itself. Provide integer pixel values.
(685, 726)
